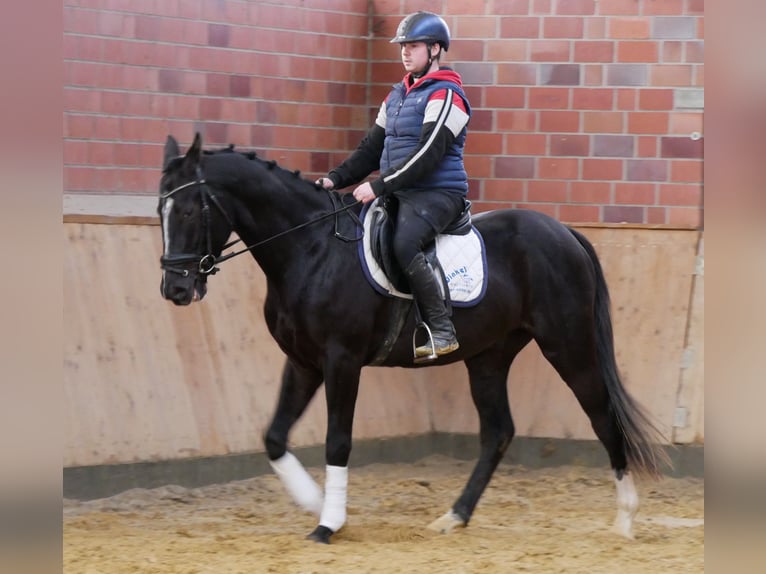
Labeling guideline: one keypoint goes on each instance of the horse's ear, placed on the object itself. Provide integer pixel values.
(171, 151)
(195, 151)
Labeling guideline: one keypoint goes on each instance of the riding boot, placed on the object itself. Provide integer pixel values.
(428, 297)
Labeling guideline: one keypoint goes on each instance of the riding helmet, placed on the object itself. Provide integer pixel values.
(423, 27)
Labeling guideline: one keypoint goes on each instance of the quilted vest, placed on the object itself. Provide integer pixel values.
(404, 122)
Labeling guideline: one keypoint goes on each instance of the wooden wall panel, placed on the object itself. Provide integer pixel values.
(649, 272)
(145, 380)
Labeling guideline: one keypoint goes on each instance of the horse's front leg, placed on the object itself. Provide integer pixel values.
(299, 385)
(341, 388)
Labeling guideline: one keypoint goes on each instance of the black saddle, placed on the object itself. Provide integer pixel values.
(381, 242)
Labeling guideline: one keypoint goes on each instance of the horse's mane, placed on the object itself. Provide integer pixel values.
(270, 164)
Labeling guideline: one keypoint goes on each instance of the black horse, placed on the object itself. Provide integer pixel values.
(545, 283)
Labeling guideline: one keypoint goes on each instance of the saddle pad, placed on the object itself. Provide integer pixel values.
(462, 258)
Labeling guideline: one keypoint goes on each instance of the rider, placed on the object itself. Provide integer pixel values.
(417, 144)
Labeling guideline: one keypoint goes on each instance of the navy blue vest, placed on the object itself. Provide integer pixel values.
(404, 122)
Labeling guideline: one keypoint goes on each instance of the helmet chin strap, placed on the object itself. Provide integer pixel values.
(424, 71)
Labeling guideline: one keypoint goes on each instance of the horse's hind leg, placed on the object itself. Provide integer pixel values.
(299, 385)
(488, 374)
(575, 359)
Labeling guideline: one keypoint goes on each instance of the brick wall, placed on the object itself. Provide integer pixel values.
(589, 111)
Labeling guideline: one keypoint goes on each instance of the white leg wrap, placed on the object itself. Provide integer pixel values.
(627, 505)
(335, 487)
(304, 490)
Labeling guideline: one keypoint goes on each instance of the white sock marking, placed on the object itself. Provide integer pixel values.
(627, 505)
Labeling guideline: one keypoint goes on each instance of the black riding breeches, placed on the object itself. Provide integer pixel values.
(421, 216)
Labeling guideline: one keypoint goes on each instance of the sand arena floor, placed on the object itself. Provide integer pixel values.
(529, 520)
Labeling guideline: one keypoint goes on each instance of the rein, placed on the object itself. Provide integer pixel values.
(206, 264)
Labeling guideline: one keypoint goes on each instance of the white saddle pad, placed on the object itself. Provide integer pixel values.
(461, 257)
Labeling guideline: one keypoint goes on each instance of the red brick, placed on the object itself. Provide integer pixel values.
(647, 146)
(666, 75)
(672, 51)
(516, 74)
(525, 144)
(613, 146)
(647, 170)
(505, 50)
(593, 51)
(475, 165)
(618, 7)
(505, 97)
(695, 52)
(560, 74)
(454, 7)
(592, 99)
(678, 194)
(648, 122)
(626, 99)
(516, 121)
(624, 214)
(664, 7)
(547, 191)
(559, 121)
(579, 213)
(595, 27)
(590, 192)
(76, 153)
(521, 27)
(682, 147)
(685, 123)
(594, 74)
(549, 50)
(576, 7)
(568, 144)
(636, 51)
(656, 99)
(602, 169)
(542, 6)
(78, 126)
(629, 28)
(515, 167)
(635, 193)
(558, 168)
(656, 215)
(567, 27)
(685, 217)
(549, 98)
(603, 122)
(686, 171)
(481, 143)
(520, 7)
(503, 190)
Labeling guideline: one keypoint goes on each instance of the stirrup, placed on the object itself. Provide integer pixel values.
(425, 358)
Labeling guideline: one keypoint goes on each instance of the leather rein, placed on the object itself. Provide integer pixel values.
(206, 264)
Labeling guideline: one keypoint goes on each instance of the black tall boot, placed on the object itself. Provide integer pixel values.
(428, 297)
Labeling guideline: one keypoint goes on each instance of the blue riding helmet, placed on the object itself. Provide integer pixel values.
(423, 27)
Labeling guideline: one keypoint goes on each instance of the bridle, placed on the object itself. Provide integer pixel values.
(206, 264)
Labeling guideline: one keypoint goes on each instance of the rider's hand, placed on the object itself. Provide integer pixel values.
(325, 182)
(364, 193)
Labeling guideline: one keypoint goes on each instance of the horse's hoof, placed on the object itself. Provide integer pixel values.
(446, 523)
(624, 529)
(321, 535)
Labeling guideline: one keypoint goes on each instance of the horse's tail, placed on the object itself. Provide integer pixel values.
(642, 438)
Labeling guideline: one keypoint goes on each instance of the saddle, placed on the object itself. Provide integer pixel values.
(456, 255)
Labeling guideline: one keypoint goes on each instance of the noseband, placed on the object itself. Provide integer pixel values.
(205, 264)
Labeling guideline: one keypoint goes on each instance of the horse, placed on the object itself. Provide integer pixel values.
(545, 282)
